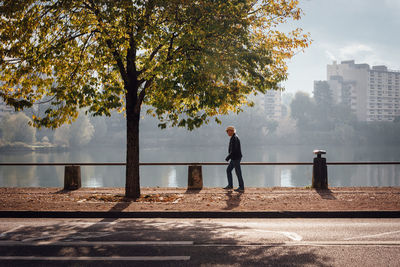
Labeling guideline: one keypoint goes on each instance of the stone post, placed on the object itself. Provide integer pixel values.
(320, 171)
(195, 177)
(72, 177)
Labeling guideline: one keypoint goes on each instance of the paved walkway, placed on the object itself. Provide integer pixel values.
(175, 200)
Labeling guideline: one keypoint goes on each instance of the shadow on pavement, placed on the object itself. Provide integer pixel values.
(192, 191)
(326, 194)
(214, 243)
(233, 200)
(62, 191)
(120, 206)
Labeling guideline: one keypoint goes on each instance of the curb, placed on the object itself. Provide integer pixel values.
(201, 214)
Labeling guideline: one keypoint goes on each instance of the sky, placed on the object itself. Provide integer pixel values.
(364, 30)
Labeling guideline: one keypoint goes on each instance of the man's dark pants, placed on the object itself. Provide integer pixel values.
(234, 164)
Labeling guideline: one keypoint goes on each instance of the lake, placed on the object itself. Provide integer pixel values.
(213, 176)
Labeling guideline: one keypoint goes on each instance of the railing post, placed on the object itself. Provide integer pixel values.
(72, 177)
(320, 171)
(195, 177)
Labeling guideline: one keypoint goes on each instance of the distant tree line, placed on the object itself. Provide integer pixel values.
(309, 120)
(320, 120)
(14, 128)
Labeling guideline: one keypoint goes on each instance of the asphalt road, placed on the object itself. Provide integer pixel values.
(196, 242)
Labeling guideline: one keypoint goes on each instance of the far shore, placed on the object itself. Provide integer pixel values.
(15, 147)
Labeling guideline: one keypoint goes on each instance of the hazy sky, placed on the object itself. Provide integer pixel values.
(364, 30)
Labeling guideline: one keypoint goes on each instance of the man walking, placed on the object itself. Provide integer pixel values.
(235, 156)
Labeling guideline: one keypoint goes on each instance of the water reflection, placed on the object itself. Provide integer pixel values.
(214, 176)
(286, 178)
(172, 182)
(364, 175)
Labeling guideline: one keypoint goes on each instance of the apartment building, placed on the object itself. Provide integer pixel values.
(383, 94)
(372, 93)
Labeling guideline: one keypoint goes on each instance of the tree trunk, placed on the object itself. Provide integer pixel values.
(132, 185)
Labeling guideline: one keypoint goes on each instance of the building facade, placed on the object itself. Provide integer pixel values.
(372, 93)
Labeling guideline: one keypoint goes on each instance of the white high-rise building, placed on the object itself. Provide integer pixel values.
(373, 94)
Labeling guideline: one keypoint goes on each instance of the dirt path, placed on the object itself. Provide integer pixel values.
(208, 199)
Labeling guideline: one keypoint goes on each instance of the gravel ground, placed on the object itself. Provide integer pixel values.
(207, 199)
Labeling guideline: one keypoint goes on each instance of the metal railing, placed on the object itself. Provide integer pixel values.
(72, 174)
(192, 163)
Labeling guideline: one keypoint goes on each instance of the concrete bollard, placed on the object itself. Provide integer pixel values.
(195, 177)
(320, 171)
(72, 177)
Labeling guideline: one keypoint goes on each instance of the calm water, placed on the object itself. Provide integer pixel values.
(214, 176)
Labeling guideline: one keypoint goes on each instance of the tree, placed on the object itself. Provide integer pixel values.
(189, 60)
(323, 95)
(272, 126)
(323, 105)
(77, 134)
(302, 110)
(15, 128)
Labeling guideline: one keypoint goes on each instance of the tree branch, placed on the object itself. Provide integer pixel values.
(154, 53)
(142, 94)
(84, 46)
(115, 52)
(171, 42)
(131, 53)
(157, 49)
(141, 25)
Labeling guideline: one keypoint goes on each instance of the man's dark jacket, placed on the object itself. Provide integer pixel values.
(235, 153)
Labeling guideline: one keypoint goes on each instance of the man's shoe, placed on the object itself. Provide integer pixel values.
(228, 187)
(239, 190)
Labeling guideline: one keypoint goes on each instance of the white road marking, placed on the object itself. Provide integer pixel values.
(291, 235)
(96, 223)
(76, 235)
(75, 231)
(191, 243)
(348, 243)
(98, 243)
(259, 227)
(111, 258)
(10, 231)
(69, 236)
(304, 243)
(375, 235)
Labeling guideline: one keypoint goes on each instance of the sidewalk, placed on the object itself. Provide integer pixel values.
(209, 202)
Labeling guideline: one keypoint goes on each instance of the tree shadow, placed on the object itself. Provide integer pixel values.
(120, 206)
(63, 191)
(233, 200)
(326, 194)
(192, 191)
(218, 243)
